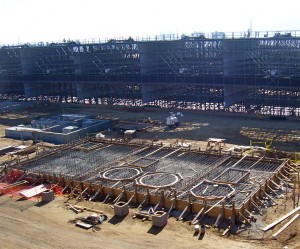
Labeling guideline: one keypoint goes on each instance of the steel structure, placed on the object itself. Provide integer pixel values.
(250, 70)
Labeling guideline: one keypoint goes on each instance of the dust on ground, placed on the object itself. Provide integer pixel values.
(236, 128)
(32, 224)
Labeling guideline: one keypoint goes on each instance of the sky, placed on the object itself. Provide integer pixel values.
(23, 21)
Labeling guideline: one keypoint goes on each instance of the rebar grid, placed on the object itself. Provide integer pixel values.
(189, 165)
(141, 190)
(76, 163)
(232, 175)
(208, 173)
(85, 165)
(159, 154)
(93, 175)
(267, 166)
(210, 190)
(143, 162)
(243, 191)
(244, 164)
(260, 176)
(159, 180)
(120, 173)
(88, 145)
(109, 184)
(141, 154)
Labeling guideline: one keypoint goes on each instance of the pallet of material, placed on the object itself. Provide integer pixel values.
(280, 219)
(88, 209)
(83, 225)
(143, 215)
(286, 225)
(28, 193)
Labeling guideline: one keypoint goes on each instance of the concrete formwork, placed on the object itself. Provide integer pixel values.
(76, 168)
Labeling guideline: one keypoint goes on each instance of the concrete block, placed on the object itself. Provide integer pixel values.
(48, 195)
(121, 208)
(159, 218)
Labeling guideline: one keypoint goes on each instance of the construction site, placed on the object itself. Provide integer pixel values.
(222, 186)
(160, 179)
(195, 137)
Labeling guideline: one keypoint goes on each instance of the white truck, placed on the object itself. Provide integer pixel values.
(172, 121)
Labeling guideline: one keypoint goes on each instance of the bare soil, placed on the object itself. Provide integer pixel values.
(32, 224)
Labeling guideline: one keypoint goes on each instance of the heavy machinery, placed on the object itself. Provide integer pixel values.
(172, 121)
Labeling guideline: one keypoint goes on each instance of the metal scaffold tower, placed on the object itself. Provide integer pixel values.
(216, 72)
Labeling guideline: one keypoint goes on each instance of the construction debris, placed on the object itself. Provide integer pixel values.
(275, 223)
(10, 187)
(73, 208)
(93, 220)
(88, 209)
(142, 214)
(286, 225)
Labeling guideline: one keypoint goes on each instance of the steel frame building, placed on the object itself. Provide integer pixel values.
(260, 70)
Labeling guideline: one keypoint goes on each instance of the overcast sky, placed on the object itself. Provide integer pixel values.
(24, 21)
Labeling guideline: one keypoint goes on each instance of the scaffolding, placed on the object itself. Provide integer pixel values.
(223, 74)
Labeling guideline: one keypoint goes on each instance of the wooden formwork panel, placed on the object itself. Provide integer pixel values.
(168, 203)
(74, 184)
(105, 190)
(94, 188)
(214, 212)
(181, 204)
(116, 192)
(196, 207)
(67, 182)
(140, 197)
(128, 195)
(228, 213)
(154, 199)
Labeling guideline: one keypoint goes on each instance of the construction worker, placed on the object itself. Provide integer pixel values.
(202, 231)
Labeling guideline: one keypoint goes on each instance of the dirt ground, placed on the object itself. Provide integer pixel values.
(33, 224)
(30, 224)
(195, 126)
